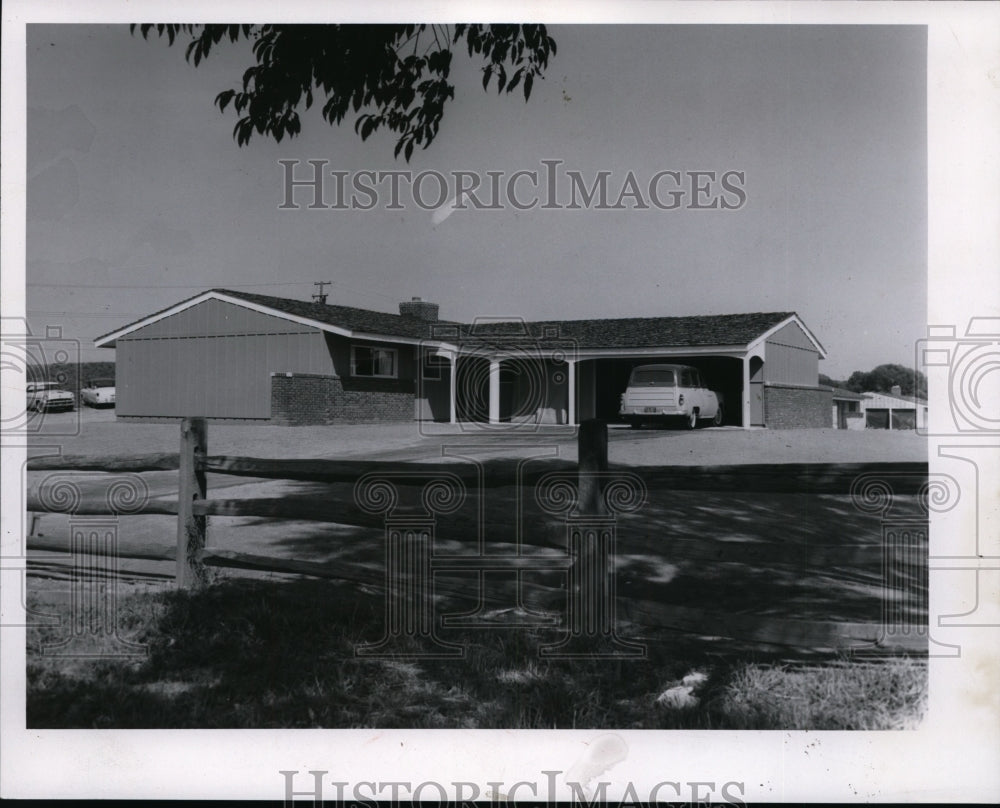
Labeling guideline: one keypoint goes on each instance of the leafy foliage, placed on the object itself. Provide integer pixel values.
(882, 378)
(393, 76)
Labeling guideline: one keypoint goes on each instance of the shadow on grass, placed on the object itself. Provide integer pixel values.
(820, 556)
(263, 654)
(281, 653)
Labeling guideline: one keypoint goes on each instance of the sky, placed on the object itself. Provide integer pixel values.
(139, 197)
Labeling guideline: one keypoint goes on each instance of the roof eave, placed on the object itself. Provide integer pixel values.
(107, 340)
(792, 318)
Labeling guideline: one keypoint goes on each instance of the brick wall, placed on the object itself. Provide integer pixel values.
(171, 419)
(304, 398)
(796, 407)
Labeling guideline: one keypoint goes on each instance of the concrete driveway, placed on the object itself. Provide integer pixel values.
(97, 433)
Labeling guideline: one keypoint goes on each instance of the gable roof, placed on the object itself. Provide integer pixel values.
(842, 393)
(885, 399)
(640, 332)
(630, 332)
(346, 317)
(341, 319)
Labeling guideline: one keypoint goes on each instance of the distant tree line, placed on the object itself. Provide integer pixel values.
(881, 380)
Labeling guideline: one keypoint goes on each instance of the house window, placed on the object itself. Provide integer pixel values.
(377, 363)
(433, 367)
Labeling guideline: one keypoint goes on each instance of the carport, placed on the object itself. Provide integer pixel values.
(764, 366)
(723, 374)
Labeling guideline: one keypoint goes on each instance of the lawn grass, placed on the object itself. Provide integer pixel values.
(247, 653)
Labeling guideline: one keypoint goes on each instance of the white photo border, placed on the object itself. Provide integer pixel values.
(952, 757)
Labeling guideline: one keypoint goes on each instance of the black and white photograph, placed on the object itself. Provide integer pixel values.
(622, 387)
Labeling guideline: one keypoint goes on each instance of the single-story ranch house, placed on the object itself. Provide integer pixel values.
(894, 411)
(848, 411)
(253, 358)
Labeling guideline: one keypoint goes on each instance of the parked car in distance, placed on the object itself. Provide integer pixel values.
(99, 393)
(660, 393)
(45, 396)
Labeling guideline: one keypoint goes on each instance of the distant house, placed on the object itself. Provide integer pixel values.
(846, 409)
(235, 356)
(894, 411)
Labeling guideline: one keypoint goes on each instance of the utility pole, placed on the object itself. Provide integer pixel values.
(320, 297)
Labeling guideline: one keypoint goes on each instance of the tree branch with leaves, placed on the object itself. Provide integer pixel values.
(393, 77)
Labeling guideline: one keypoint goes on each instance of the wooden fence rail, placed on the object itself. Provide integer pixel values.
(805, 478)
(192, 506)
(111, 463)
(826, 478)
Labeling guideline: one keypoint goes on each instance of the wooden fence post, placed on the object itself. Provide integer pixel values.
(191, 488)
(592, 462)
(591, 539)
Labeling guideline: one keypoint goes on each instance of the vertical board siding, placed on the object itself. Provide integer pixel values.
(213, 360)
(787, 364)
(792, 335)
(215, 318)
(220, 377)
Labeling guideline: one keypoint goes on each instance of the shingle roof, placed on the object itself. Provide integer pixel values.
(641, 332)
(841, 393)
(372, 322)
(631, 332)
(890, 397)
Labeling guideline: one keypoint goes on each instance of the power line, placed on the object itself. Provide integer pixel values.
(155, 286)
(197, 286)
(83, 314)
(320, 297)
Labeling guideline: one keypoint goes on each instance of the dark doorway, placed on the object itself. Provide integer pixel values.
(722, 374)
(472, 390)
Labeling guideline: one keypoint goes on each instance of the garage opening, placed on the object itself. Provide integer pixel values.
(526, 388)
(890, 419)
(722, 374)
(472, 389)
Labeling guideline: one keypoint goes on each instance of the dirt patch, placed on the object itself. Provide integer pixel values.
(96, 432)
(730, 445)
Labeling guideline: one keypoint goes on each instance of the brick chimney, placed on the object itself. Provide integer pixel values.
(419, 309)
(896, 390)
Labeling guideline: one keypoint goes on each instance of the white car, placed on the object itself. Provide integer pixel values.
(99, 393)
(669, 392)
(45, 396)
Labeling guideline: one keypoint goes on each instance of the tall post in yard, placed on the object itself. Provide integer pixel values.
(191, 488)
(591, 540)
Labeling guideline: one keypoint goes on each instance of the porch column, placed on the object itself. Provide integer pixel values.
(746, 392)
(452, 392)
(494, 391)
(571, 391)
